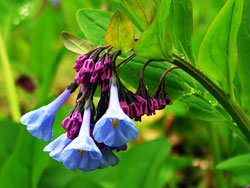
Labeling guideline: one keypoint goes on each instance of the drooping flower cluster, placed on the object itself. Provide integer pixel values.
(93, 133)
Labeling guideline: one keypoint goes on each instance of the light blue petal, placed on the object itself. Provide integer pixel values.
(56, 147)
(74, 157)
(125, 132)
(109, 159)
(71, 156)
(39, 122)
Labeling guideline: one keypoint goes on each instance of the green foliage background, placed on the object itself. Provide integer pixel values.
(189, 144)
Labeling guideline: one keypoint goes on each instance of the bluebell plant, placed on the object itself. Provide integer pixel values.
(93, 133)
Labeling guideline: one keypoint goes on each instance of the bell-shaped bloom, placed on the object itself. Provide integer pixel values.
(114, 128)
(82, 153)
(109, 159)
(56, 147)
(39, 122)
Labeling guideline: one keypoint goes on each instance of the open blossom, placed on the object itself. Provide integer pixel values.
(56, 147)
(39, 122)
(109, 159)
(114, 128)
(82, 153)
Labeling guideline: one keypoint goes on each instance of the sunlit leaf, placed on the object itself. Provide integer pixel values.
(180, 25)
(143, 173)
(24, 168)
(76, 44)
(159, 46)
(134, 8)
(147, 7)
(243, 44)
(93, 24)
(217, 53)
(120, 33)
(238, 163)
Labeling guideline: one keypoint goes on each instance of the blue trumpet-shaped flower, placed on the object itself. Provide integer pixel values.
(114, 128)
(56, 147)
(39, 122)
(82, 153)
(109, 159)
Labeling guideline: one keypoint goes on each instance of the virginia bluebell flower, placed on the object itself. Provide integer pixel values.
(109, 159)
(114, 128)
(82, 153)
(39, 122)
(56, 147)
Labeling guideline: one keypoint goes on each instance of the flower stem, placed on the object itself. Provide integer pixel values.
(144, 67)
(126, 60)
(11, 89)
(166, 72)
(231, 107)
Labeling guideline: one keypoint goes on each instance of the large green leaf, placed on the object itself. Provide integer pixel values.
(76, 44)
(93, 24)
(240, 163)
(136, 11)
(217, 53)
(24, 168)
(243, 44)
(159, 46)
(147, 159)
(180, 25)
(120, 33)
(8, 137)
(201, 109)
(147, 7)
(44, 33)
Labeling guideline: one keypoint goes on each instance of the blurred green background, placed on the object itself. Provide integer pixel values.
(173, 148)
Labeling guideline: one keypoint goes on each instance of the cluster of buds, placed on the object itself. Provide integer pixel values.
(93, 133)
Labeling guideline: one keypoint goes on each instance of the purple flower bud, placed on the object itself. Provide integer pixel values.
(107, 73)
(162, 104)
(134, 111)
(79, 62)
(88, 66)
(105, 85)
(72, 125)
(107, 61)
(94, 77)
(99, 67)
(124, 106)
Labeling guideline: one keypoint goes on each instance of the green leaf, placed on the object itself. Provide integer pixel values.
(142, 173)
(169, 168)
(120, 33)
(147, 6)
(25, 166)
(201, 109)
(44, 33)
(240, 163)
(159, 46)
(180, 25)
(93, 24)
(76, 44)
(8, 137)
(217, 53)
(134, 8)
(243, 44)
